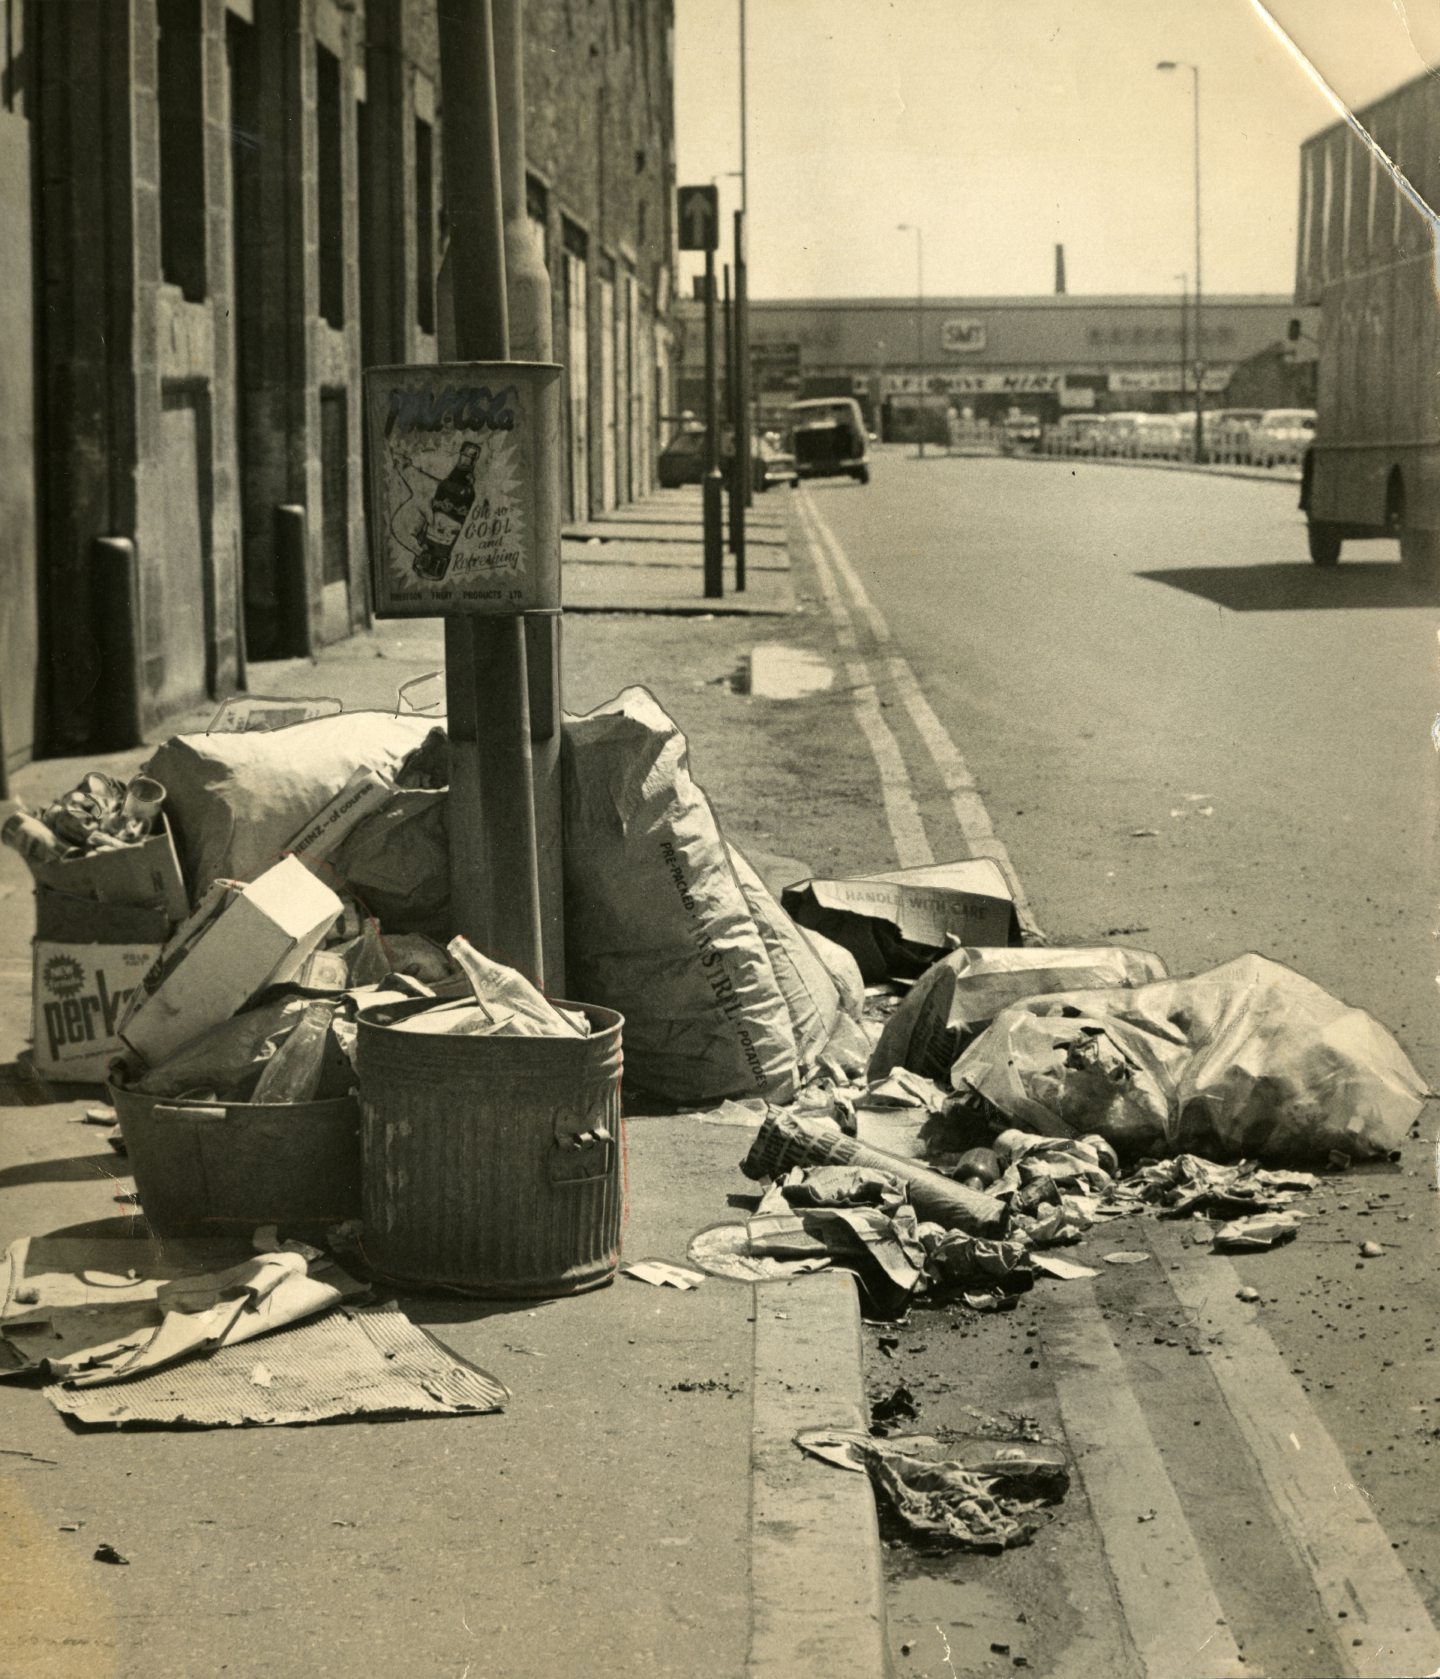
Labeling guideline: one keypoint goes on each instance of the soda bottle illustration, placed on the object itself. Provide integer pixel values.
(452, 500)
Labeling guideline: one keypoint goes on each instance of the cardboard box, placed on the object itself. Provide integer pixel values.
(241, 941)
(148, 873)
(80, 992)
(897, 924)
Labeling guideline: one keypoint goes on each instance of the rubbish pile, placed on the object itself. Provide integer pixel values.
(1067, 1109)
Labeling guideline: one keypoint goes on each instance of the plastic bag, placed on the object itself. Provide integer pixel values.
(962, 993)
(1248, 1059)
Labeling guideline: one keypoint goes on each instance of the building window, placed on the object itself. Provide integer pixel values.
(180, 91)
(330, 170)
(424, 226)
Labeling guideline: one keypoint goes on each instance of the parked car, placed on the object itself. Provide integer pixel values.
(682, 460)
(1227, 434)
(1281, 436)
(1075, 434)
(1115, 435)
(1019, 431)
(1158, 437)
(827, 438)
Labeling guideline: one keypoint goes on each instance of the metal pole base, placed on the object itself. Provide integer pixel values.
(714, 536)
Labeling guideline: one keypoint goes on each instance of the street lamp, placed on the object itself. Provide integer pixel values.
(908, 227)
(1194, 69)
(1184, 280)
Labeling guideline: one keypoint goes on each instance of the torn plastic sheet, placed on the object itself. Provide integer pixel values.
(994, 1496)
(353, 1362)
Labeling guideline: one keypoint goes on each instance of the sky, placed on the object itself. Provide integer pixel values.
(1004, 127)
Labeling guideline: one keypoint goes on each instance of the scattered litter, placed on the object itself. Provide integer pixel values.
(958, 1259)
(724, 1250)
(1126, 1256)
(30, 1457)
(1251, 1295)
(108, 1553)
(1372, 1250)
(662, 1274)
(71, 1527)
(110, 1279)
(787, 1140)
(127, 1198)
(1144, 833)
(989, 1499)
(1259, 1231)
(1148, 1516)
(896, 1406)
(747, 1114)
(100, 1116)
(1065, 1269)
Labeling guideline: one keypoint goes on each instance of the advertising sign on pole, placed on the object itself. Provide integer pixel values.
(460, 521)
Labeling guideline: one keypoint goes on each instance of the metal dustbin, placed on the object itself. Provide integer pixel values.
(221, 1168)
(491, 1165)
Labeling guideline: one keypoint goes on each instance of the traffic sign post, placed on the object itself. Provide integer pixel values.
(699, 219)
(743, 481)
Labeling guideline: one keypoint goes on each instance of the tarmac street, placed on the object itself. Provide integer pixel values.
(1187, 739)
(1132, 691)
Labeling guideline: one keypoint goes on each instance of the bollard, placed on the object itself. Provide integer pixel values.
(295, 639)
(115, 596)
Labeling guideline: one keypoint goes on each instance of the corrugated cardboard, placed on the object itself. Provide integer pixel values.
(257, 937)
(80, 991)
(896, 924)
(148, 873)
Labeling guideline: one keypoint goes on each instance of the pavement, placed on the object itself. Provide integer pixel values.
(639, 1506)
(650, 557)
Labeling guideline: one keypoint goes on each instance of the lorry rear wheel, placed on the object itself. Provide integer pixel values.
(1324, 543)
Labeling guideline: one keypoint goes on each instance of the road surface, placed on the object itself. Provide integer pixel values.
(1187, 738)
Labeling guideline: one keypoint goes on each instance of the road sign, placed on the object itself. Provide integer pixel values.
(775, 366)
(459, 521)
(699, 217)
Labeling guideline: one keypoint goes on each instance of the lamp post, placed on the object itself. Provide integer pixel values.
(908, 227)
(1184, 280)
(1194, 69)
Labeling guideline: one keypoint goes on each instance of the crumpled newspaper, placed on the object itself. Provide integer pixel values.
(993, 1497)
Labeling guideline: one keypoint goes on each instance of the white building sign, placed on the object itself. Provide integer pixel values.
(962, 337)
(1137, 381)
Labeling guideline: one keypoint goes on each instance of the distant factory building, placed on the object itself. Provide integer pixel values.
(993, 355)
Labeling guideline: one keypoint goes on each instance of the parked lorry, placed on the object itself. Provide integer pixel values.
(1367, 256)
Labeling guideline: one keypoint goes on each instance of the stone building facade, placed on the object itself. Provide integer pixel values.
(228, 208)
